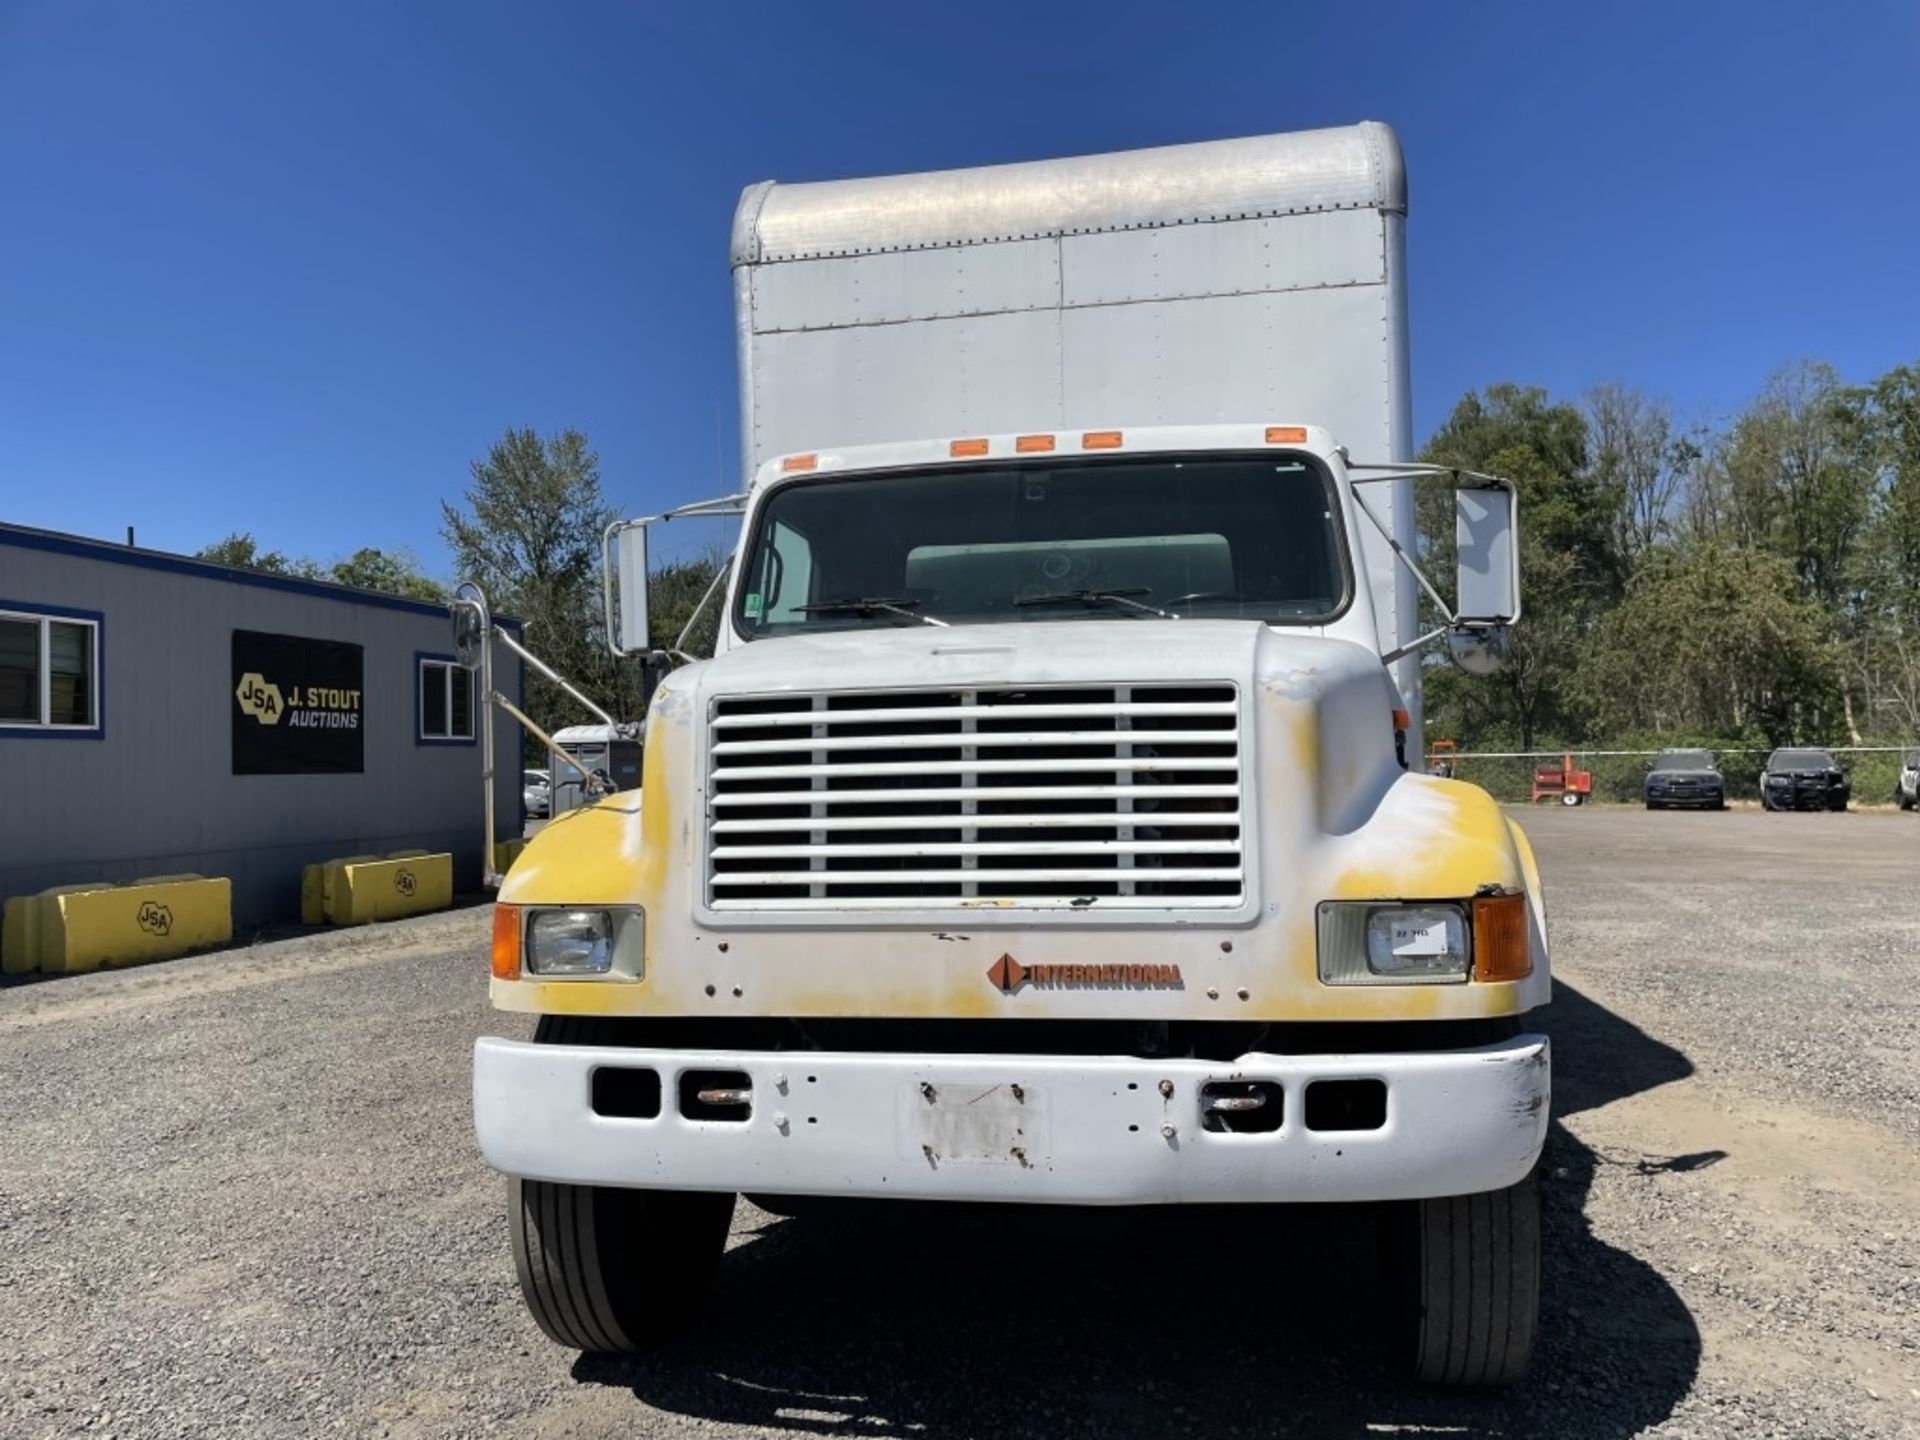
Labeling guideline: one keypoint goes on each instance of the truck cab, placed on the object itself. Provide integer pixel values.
(1039, 832)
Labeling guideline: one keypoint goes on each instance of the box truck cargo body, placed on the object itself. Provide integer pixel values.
(1040, 830)
(1191, 285)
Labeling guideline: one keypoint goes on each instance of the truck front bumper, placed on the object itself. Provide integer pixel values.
(1035, 1128)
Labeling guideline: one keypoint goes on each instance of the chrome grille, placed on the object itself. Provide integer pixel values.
(1029, 797)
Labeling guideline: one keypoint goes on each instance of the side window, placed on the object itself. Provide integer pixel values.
(787, 582)
(49, 673)
(446, 702)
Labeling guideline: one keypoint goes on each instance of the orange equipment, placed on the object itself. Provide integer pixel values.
(1563, 783)
(1443, 758)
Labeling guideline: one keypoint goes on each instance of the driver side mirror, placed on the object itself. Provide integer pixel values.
(626, 600)
(1487, 577)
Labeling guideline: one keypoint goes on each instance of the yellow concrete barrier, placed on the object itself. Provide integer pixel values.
(505, 852)
(29, 920)
(84, 928)
(25, 920)
(361, 889)
(313, 887)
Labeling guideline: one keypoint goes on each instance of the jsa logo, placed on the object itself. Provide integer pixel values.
(260, 698)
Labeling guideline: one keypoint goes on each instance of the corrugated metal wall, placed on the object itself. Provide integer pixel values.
(157, 794)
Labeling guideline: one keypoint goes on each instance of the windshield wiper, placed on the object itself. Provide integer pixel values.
(868, 605)
(1099, 597)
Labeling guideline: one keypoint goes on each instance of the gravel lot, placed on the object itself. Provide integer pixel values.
(239, 1196)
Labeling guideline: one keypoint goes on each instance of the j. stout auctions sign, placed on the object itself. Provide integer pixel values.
(298, 708)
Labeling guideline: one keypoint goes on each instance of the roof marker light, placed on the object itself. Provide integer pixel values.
(791, 463)
(1100, 440)
(1028, 444)
(962, 448)
(1286, 434)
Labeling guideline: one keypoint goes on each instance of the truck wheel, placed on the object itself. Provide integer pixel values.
(1476, 1261)
(1572, 797)
(607, 1270)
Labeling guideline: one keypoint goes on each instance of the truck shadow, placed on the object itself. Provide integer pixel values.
(941, 1321)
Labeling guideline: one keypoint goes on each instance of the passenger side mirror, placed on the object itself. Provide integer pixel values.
(470, 625)
(625, 575)
(1488, 573)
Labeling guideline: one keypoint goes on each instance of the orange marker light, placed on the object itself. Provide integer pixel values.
(1286, 434)
(961, 448)
(1500, 948)
(506, 942)
(791, 463)
(1100, 440)
(1028, 444)
(1402, 720)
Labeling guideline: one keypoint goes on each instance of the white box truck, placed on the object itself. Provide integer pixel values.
(1041, 829)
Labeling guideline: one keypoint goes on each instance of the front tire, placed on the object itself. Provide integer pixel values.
(611, 1271)
(1476, 1283)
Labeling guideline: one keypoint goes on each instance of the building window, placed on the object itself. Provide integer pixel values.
(49, 672)
(446, 702)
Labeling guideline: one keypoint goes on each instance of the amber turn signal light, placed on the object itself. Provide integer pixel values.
(506, 942)
(960, 449)
(1286, 434)
(1500, 948)
(792, 463)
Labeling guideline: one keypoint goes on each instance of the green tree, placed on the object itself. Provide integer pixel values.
(392, 572)
(1882, 421)
(240, 549)
(1713, 640)
(1796, 484)
(529, 533)
(1568, 564)
(1640, 464)
(674, 590)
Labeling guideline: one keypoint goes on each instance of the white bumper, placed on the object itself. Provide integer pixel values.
(1047, 1129)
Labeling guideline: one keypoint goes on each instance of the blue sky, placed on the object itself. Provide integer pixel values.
(287, 268)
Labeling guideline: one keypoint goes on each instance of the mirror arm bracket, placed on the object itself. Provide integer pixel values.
(1419, 643)
(1411, 566)
(720, 507)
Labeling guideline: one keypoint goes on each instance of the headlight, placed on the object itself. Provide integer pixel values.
(582, 942)
(1394, 944)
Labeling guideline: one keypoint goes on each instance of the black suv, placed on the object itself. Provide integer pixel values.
(1804, 780)
(1684, 777)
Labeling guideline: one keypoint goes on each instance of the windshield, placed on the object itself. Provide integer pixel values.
(1684, 760)
(1800, 760)
(1124, 540)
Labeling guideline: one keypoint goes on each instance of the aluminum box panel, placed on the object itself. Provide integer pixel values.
(917, 285)
(1298, 252)
(969, 375)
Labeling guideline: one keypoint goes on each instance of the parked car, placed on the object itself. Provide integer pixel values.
(537, 792)
(1804, 780)
(1906, 790)
(1684, 777)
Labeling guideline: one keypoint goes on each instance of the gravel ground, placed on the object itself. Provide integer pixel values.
(239, 1196)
